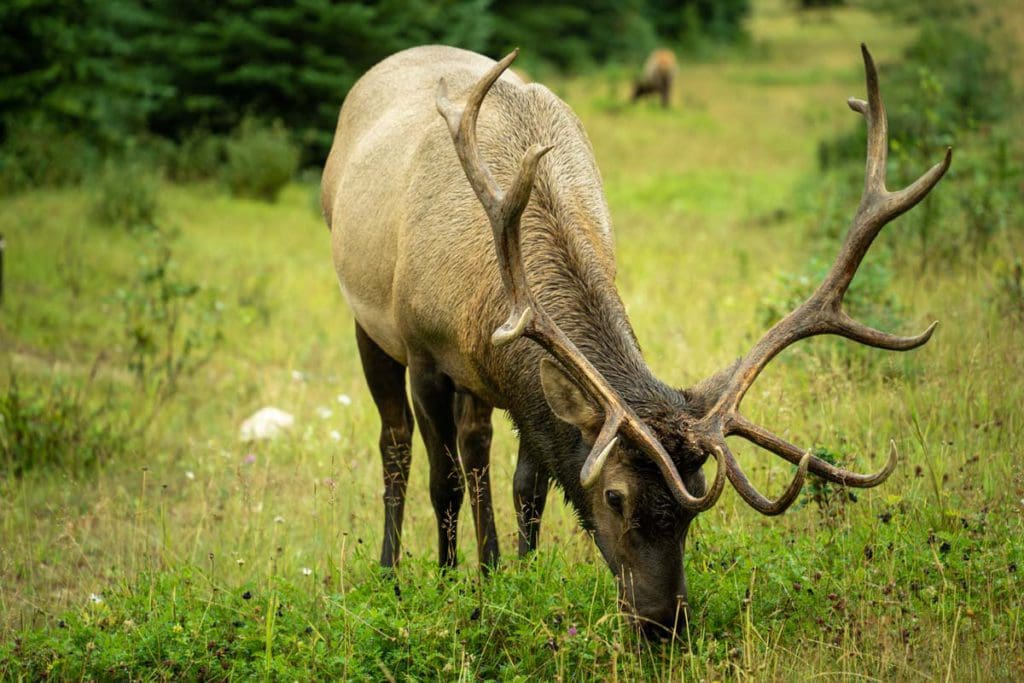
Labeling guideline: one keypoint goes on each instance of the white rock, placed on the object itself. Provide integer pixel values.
(265, 423)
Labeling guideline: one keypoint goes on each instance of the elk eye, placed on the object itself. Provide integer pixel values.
(614, 500)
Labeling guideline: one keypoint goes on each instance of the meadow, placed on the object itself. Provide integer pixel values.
(143, 540)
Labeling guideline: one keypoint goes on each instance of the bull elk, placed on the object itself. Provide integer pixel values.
(657, 77)
(525, 317)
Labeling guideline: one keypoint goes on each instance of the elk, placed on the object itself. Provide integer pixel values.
(500, 293)
(657, 77)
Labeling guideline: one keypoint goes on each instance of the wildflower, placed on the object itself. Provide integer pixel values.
(249, 459)
(240, 562)
(177, 628)
(95, 599)
(297, 375)
(324, 412)
(306, 571)
(190, 475)
(572, 631)
(335, 435)
(279, 520)
(344, 399)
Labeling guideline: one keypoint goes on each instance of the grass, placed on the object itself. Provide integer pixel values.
(187, 554)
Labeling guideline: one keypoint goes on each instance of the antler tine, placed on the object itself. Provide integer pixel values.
(822, 313)
(503, 210)
(818, 467)
(747, 491)
(527, 318)
(878, 206)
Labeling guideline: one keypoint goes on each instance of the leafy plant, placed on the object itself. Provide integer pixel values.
(261, 159)
(172, 325)
(38, 153)
(199, 156)
(870, 299)
(125, 195)
(828, 499)
(55, 427)
(1009, 288)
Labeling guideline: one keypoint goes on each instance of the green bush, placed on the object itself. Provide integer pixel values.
(870, 299)
(55, 428)
(261, 159)
(125, 195)
(171, 325)
(1009, 286)
(949, 81)
(199, 156)
(37, 153)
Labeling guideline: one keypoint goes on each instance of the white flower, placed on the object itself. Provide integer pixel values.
(279, 520)
(344, 399)
(335, 435)
(95, 599)
(240, 562)
(190, 474)
(324, 412)
(297, 375)
(306, 571)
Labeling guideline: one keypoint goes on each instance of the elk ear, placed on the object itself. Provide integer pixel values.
(568, 402)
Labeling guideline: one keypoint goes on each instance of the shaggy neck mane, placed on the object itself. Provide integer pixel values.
(567, 242)
(574, 282)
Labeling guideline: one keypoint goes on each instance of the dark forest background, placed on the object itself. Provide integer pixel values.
(98, 75)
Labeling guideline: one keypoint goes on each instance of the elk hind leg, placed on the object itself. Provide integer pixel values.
(473, 420)
(433, 397)
(386, 380)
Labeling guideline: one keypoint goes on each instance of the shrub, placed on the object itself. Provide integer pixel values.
(172, 325)
(828, 499)
(199, 156)
(261, 159)
(55, 427)
(125, 195)
(37, 153)
(870, 299)
(1009, 286)
(935, 93)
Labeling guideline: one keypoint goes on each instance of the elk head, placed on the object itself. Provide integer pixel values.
(643, 469)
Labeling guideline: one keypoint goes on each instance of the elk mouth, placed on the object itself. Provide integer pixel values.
(658, 614)
(659, 623)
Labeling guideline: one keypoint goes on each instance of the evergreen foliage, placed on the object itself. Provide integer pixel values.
(111, 70)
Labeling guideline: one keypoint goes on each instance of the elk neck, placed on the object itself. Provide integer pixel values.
(570, 265)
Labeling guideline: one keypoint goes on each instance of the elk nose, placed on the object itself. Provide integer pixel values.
(663, 621)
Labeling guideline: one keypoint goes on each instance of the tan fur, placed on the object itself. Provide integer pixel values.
(411, 244)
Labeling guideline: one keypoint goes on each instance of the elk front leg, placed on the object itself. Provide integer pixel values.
(473, 418)
(433, 397)
(386, 380)
(530, 491)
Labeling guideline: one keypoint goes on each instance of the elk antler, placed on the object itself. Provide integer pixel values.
(528, 318)
(822, 313)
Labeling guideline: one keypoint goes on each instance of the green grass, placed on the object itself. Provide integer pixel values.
(713, 202)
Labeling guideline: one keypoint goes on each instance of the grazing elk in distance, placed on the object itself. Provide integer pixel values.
(658, 75)
(431, 288)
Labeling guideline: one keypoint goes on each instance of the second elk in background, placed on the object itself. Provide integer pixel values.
(659, 72)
